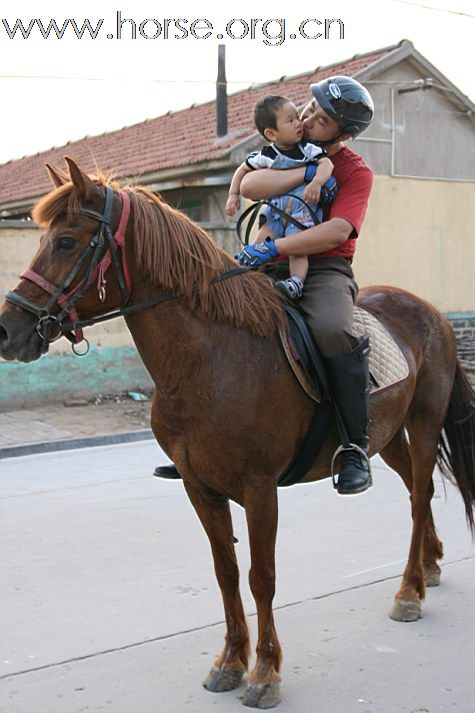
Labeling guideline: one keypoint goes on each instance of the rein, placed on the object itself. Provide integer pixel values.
(253, 211)
(96, 270)
(125, 311)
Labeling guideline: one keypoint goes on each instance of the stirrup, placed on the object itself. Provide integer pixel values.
(350, 447)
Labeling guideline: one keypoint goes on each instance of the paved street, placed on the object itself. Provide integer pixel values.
(109, 601)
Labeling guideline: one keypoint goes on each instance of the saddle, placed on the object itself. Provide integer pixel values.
(387, 365)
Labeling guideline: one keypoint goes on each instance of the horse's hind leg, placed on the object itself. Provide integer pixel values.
(424, 424)
(433, 551)
(229, 667)
(260, 501)
(397, 455)
(422, 568)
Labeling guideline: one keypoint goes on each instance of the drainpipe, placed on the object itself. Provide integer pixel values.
(221, 95)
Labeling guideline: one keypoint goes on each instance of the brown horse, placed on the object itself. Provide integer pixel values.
(221, 378)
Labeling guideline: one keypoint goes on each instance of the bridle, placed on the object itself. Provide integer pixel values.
(96, 270)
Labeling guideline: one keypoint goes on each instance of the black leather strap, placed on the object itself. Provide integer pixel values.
(310, 448)
(125, 311)
(253, 210)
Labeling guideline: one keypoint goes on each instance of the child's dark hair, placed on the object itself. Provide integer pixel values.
(265, 112)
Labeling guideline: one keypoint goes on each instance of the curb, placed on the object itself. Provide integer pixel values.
(108, 439)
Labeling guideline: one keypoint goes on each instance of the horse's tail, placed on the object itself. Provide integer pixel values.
(456, 452)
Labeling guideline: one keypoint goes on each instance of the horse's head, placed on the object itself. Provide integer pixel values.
(85, 223)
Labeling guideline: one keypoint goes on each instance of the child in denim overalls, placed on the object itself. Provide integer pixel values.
(277, 119)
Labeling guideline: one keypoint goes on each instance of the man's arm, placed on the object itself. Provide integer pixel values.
(318, 239)
(314, 240)
(267, 182)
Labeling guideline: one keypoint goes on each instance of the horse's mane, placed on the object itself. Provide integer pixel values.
(180, 258)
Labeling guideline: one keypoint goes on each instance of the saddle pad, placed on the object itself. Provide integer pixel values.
(387, 363)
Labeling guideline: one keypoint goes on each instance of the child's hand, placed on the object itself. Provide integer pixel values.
(232, 205)
(311, 192)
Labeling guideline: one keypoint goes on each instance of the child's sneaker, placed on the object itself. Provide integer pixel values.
(291, 287)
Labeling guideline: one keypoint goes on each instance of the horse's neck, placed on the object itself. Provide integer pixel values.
(170, 341)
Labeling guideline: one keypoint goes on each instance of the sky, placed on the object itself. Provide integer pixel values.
(58, 90)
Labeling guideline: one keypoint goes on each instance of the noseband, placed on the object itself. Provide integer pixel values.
(96, 269)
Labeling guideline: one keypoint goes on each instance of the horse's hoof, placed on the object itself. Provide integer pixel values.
(405, 610)
(262, 696)
(432, 577)
(219, 680)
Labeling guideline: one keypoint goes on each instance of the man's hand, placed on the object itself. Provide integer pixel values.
(258, 254)
(232, 204)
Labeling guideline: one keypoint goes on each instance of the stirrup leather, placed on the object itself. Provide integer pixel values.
(350, 447)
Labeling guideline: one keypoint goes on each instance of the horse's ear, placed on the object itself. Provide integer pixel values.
(58, 179)
(81, 181)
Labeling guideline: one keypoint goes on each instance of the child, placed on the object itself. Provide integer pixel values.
(277, 119)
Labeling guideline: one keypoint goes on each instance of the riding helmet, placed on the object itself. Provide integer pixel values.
(346, 101)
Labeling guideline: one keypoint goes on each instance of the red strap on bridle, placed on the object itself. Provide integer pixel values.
(119, 238)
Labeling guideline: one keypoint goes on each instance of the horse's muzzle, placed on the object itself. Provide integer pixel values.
(19, 338)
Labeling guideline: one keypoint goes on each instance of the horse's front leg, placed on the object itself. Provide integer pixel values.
(260, 502)
(231, 664)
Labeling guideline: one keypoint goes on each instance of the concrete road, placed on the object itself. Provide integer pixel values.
(109, 601)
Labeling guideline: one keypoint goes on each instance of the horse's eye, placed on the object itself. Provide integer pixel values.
(65, 242)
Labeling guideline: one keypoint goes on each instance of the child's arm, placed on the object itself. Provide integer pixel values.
(311, 193)
(234, 202)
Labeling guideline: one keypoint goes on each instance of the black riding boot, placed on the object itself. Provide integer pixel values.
(167, 471)
(350, 386)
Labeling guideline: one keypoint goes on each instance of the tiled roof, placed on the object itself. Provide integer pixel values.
(173, 140)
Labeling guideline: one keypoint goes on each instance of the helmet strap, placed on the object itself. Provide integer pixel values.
(330, 141)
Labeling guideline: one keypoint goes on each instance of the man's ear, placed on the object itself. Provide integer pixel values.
(345, 137)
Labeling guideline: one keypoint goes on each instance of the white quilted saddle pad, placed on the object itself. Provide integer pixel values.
(387, 363)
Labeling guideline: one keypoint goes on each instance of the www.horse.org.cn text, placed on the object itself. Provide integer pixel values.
(272, 32)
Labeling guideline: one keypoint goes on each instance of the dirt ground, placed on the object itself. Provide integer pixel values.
(75, 419)
(111, 414)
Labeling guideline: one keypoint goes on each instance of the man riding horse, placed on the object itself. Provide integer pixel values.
(341, 108)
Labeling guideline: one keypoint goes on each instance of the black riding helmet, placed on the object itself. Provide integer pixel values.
(346, 101)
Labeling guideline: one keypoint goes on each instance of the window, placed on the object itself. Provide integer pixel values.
(192, 208)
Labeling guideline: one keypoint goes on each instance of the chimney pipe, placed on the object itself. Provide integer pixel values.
(221, 95)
